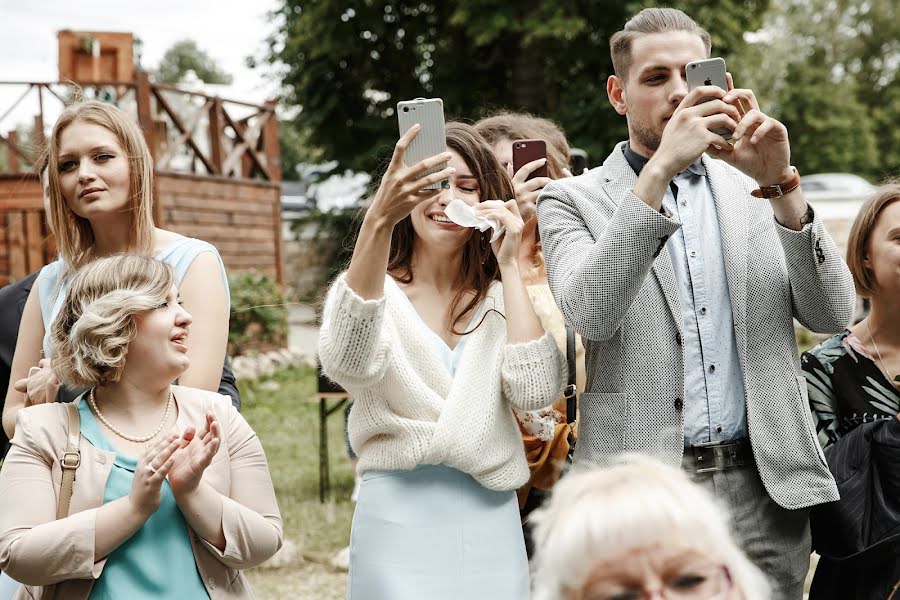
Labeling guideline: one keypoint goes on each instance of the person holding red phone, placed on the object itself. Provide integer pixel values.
(545, 432)
(684, 275)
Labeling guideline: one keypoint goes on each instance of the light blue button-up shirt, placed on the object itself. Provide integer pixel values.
(715, 405)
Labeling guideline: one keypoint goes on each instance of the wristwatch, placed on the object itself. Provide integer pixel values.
(779, 189)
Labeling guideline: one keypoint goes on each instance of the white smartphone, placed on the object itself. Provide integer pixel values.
(708, 72)
(431, 139)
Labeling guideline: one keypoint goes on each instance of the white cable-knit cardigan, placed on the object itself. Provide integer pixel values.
(407, 411)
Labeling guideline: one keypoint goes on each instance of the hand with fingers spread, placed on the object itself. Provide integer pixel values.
(761, 147)
(190, 461)
(506, 249)
(402, 187)
(528, 190)
(151, 471)
(689, 132)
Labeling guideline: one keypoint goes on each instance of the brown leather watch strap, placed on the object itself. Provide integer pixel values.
(779, 189)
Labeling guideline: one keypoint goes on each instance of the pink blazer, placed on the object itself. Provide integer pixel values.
(38, 550)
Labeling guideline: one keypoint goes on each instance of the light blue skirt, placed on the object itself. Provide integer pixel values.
(435, 533)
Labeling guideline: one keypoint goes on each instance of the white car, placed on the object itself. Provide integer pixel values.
(837, 198)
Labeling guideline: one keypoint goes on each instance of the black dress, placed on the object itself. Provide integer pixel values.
(855, 407)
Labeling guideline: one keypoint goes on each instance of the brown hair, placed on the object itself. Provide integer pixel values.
(861, 234)
(74, 236)
(650, 20)
(479, 265)
(523, 126)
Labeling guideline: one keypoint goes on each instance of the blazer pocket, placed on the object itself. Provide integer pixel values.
(601, 426)
(806, 411)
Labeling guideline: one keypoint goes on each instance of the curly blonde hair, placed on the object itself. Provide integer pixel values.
(97, 321)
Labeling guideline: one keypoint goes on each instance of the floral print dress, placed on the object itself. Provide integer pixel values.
(846, 387)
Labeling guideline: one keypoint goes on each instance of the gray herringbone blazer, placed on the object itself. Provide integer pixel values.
(613, 280)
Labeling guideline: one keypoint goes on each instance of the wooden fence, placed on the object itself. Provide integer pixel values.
(217, 171)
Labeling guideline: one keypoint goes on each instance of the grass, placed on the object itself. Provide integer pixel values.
(284, 413)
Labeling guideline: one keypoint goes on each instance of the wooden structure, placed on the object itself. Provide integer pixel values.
(94, 56)
(217, 171)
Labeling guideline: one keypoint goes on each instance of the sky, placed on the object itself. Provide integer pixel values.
(227, 30)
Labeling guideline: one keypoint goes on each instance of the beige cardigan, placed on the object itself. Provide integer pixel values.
(37, 550)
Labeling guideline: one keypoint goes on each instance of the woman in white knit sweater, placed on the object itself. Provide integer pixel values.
(436, 351)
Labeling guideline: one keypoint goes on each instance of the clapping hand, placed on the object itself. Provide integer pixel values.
(191, 460)
(151, 471)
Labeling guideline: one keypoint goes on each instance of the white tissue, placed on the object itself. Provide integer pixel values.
(463, 215)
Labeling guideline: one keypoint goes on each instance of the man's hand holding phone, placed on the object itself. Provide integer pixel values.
(761, 147)
(689, 132)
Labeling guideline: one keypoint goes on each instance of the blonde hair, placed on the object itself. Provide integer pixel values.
(97, 321)
(861, 235)
(74, 236)
(648, 21)
(596, 514)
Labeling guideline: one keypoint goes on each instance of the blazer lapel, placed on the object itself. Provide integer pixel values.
(734, 222)
(619, 181)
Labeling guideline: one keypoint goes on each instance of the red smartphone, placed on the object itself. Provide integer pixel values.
(525, 151)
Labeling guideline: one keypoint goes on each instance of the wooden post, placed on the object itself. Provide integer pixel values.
(143, 94)
(215, 135)
(273, 164)
(12, 158)
(38, 142)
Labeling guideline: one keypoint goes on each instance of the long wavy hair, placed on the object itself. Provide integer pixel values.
(74, 235)
(478, 268)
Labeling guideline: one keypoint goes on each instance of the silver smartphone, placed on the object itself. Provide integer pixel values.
(708, 72)
(431, 139)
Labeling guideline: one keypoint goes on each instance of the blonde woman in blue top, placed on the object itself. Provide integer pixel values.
(172, 496)
(101, 185)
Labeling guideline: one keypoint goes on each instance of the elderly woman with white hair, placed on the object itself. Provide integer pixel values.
(637, 530)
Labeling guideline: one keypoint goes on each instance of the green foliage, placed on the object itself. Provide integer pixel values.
(348, 64)
(334, 233)
(828, 69)
(186, 56)
(258, 312)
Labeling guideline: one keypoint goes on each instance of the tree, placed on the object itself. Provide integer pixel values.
(828, 69)
(185, 56)
(346, 65)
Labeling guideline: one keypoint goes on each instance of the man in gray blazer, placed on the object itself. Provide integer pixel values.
(683, 274)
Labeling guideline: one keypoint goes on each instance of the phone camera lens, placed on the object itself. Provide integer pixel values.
(693, 66)
(405, 109)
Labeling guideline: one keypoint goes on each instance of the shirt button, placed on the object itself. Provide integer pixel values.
(719, 429)
(684, 202)
(712, 368)
(703, 310)
(678, 404)
(693, 253)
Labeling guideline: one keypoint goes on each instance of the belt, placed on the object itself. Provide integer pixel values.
(717, 456)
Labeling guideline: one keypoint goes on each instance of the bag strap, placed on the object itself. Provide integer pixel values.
(70, 460)
(570, 392)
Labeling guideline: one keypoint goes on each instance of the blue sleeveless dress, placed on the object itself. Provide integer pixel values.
(433, 532)
(180, 254)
